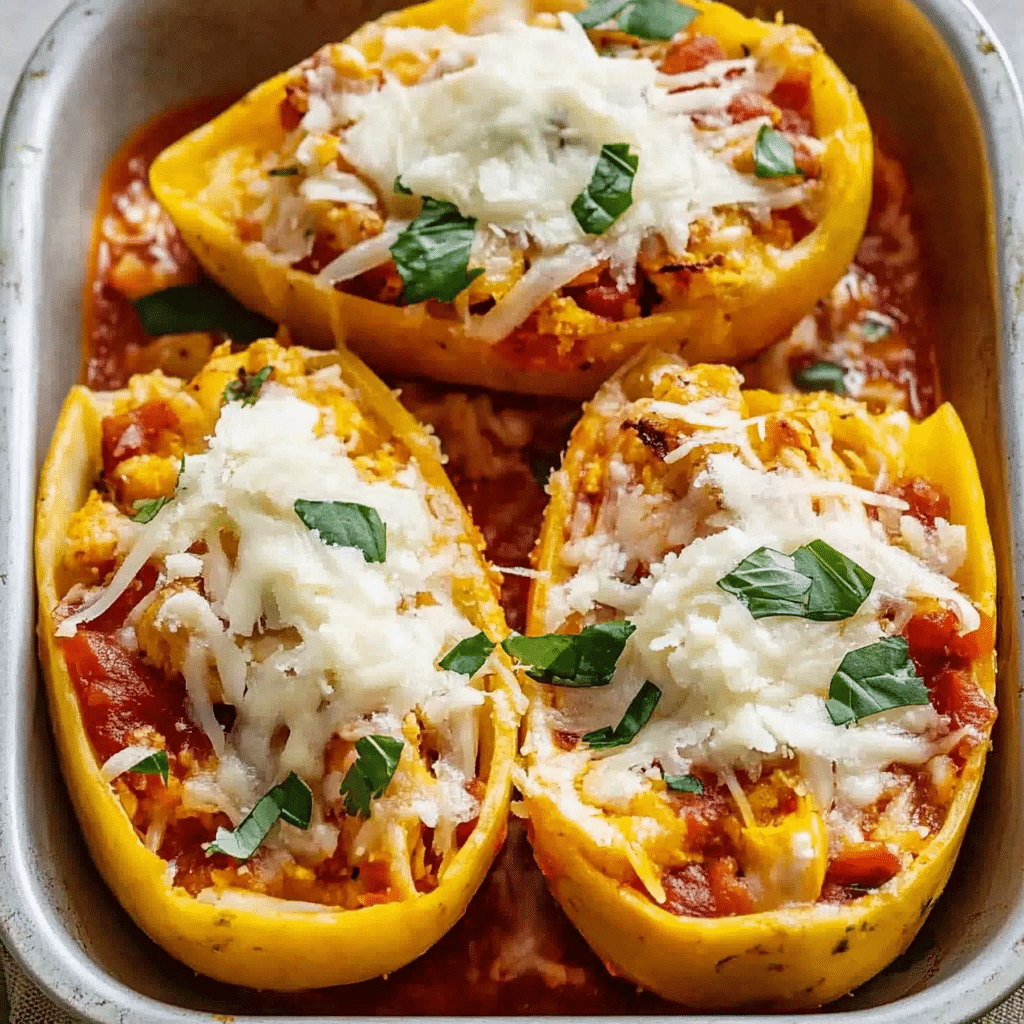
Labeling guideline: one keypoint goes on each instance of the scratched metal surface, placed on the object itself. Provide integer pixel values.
(109, 65)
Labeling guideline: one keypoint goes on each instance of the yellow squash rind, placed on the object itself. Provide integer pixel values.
(740, 317)
(246, 938)
(792, 958)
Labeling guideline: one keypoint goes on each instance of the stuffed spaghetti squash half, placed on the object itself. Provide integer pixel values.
(524, 204)
(264, 622)
(762, 639)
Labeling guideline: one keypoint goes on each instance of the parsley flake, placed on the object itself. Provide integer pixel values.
(283, 172)
(610, 192)
(432, 253)
(245, 388)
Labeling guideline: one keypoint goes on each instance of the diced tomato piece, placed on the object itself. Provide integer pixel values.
(793, 93)
(119, 693)
(324, 251)
(135, 432)
(931, 633)
(114, 617)
(955, 693)
(747, 105)
(977, 643)
(607, 301)
(794, 124)
(927, 501)
(867, 864)
(691, 54)
(292, 109)
(729, 890)
(688, 892)
(704, 815)
(934, 636)
(711, 889)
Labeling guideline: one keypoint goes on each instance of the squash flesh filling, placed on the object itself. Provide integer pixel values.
(135, 676)
(782, 806)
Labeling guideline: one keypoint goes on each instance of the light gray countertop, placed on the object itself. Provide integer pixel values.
(22, 23)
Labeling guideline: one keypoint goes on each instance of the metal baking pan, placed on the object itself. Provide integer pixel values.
(932, 71)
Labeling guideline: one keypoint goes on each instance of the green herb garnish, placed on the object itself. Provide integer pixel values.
(648, 19)
(432, 253)
(283, 172)
(153, 764)
(610, 192)
(190, 308)
(872, 679)
(346, 524)
(371, 772)
(839, 586)
(468, 656)
(245, 388)
(586, 658)
(874, 328)
(147, 508)
(401, 189)
(816, 582)
(821, 376)
(292, 800)
(637, 715)
(684, 784)
(773, 155)
(656, 19)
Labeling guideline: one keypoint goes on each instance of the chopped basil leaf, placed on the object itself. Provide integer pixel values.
(600, 12)
(400, 189)
(872, 679)
(291, 800)
(648, 19)
(637, 715)
(371, 772)
(839, 586)
(468, 656)
(815, 582)
(153, 764)
(245, 388)
(685, 784)
(147, 508)
(283, 172)
(875, 328)
(773, 154)
(189, 308)
(610, 192)
(432, 253)
(768, 583)
(656, 19)
(821, 376)
(586, 658)
(346, 524)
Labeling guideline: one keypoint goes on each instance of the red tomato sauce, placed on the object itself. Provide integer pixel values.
(514, 951)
